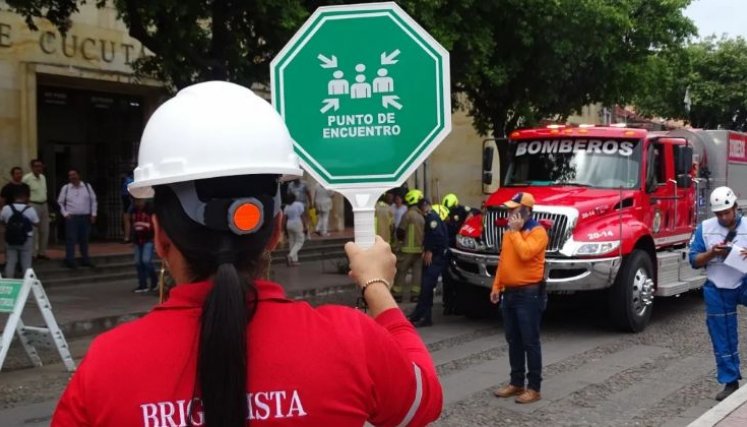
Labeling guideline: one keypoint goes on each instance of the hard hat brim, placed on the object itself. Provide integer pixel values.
(144, 189)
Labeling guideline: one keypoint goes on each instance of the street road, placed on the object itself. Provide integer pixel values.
(594, 376)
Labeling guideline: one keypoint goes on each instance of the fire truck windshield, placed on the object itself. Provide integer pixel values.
(586, 162)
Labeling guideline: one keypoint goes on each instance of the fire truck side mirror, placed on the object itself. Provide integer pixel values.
(491, 166)
(683, 156)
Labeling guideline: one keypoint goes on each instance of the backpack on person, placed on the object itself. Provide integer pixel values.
(18, 227)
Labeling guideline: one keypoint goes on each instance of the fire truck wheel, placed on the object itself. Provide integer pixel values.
(631, 297)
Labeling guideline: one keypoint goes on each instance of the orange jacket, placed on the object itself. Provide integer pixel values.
(522, 259)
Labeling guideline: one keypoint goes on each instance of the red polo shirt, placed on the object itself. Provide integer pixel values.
(326, 366)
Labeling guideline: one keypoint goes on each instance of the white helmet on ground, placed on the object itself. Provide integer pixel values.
(209, 130)
(722, 198)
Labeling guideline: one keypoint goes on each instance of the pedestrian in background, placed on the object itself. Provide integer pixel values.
(323, 205)
(520, 287)
(141, 218)
(410, 248)
(295, 228)
(126, 199)
(302, 194)
(37, 183)
(19, 219)
(399, 209)
(227, 348)
(725, 286)
(78, 206)
(12, 187)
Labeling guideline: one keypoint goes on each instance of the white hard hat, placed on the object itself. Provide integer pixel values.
(722, 198)
(210, 130)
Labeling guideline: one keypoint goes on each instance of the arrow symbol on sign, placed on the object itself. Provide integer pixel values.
(327, 62)
(389, 59)
(388, 100)
(330, 103)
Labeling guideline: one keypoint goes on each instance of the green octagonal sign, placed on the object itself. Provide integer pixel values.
(365, 92)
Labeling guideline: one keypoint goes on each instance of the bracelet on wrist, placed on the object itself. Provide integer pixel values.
(371, 282)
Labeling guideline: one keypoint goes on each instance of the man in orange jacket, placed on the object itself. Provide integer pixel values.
(521, 280)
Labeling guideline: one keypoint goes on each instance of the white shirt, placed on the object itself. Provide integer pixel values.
(322, 198)
(80, 200)
(398, 213)
(29, 213)
(294, 211)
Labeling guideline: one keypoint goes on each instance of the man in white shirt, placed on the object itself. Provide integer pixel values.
(78, 206)
(37, 182)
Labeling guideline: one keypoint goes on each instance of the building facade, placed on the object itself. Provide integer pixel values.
(73, 101)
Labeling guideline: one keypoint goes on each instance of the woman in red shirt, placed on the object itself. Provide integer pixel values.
(226, 348)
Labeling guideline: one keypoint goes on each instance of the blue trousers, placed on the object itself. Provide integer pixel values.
(522, 315)
(430, 279)
(77, 228)
(721, 319)
(144, 265)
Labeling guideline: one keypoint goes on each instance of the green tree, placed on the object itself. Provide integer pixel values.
(515, 61)
(712, 72)
(523, 60)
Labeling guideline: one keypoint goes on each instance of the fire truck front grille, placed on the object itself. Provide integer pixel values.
(493, 234)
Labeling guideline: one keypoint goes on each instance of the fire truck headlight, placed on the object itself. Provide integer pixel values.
(465, 242)
(597, 248)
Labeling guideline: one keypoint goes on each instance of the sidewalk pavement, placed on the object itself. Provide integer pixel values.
(731, 412)
(88, 309)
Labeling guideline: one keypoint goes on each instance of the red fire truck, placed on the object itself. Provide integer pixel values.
(620, 206)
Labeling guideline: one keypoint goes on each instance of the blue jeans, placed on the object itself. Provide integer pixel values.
(144, 265)
(522, 315)
(77, 228)
(430, 280)
(721, 319)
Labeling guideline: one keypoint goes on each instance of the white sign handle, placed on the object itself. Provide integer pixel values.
(363, 201)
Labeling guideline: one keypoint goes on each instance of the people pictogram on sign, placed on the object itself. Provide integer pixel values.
(338, 86)
(361, 89)
(383, 83)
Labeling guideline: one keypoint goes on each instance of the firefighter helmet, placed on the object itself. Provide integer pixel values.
(450, 200)
(413, 197)
(441, 210)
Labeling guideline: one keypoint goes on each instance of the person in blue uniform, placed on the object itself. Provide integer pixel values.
(435, 246)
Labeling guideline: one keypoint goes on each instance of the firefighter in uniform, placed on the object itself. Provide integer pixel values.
(457, 215)
(435, 243)
(228, 348)
(410, 247)
(383, 218)
(725, 286)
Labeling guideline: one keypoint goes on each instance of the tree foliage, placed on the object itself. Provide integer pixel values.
(713, 73)
(517, 61)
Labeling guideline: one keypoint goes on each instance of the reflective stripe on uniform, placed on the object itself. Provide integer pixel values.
(418, 397)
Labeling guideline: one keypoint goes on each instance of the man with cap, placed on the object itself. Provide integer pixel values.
(520, 283)
(724, 287)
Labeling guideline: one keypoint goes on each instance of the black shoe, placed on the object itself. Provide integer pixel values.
(86, 263)
(70, 264)
(728, 390)
(414, 318)
(42, 257)
(423, 323)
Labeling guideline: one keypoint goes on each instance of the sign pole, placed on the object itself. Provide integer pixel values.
(364, 205)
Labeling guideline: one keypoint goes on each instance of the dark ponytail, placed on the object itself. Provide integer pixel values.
(232, 263)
